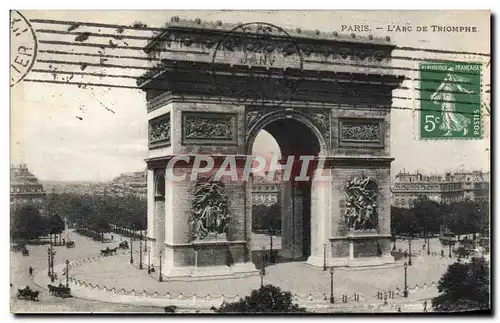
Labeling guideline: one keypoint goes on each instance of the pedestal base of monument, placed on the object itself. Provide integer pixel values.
(350, 262)
(239, 270)
(288, 254)
(211, 258)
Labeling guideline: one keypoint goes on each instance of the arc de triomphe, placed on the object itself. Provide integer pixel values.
(214, 88)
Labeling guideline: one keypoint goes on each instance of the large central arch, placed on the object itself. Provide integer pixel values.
(296, 136)
(216, 86)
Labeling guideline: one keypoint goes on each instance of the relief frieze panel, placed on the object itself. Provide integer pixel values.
(159, 131)
(203, 128)
(362, 132)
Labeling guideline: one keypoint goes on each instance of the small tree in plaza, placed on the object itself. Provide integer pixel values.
(464, 287)
(267, 299)
(27, 223)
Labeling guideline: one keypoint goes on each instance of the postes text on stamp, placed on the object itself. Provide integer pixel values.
(23, 47)
(450, 96)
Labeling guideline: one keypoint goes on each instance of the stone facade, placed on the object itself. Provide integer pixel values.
(217, 105)
(445, 188)
(25, 189)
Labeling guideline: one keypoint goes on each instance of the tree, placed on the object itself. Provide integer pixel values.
(464, 287)
(55, 224)
(404, 221)
(258, 215)
(428, 213)
(27, 223)
(272, 218)
(99, 225)
(267, 299)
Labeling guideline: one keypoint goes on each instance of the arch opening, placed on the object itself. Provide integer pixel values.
(281, 204)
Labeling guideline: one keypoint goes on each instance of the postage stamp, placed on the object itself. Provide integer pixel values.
(249, 161)
(450, 100)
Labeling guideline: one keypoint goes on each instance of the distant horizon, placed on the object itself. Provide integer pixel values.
(402, 170)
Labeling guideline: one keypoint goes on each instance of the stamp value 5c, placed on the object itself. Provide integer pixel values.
(450, 96)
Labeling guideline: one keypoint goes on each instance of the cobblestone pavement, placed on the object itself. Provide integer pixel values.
(37, 259)
(297, 277)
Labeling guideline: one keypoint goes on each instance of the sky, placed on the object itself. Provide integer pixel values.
(69, 133)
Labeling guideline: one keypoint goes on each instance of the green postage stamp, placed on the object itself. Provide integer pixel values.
(450, 100)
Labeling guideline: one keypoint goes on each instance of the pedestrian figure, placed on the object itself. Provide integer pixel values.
(399, 309)
(406, 254)
(442, 253)
(30, 271)
(425, 306)
(112, 238)
(64, 241)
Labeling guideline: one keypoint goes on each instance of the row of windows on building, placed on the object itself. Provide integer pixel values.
(448, 199)
(26, 189)
(26, 200)
(429, 187)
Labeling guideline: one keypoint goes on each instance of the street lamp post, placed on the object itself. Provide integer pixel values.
(67, 273)
(394, 243)
(332, 300)
(131, 247)
(48, 266)
(271, 244)
(161, 277)
(449, 250)
(51, 264)
(140, 251)
(149, 260)
(262, 273)
(428, 245)
(405, 291)
(324, 257)
(264, 259)
(409, 248)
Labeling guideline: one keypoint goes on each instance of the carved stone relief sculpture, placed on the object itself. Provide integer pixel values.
(361, 204)
(209, 209)
(207, 128)
(159, 130)
(369, 131)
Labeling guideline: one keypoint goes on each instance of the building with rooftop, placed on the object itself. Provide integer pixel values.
(25, 189)
(450, 187)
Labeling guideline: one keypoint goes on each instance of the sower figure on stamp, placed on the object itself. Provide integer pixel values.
(445, 96)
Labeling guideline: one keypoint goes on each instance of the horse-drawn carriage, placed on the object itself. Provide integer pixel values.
(25, 251)
(28, 294)
(60, 291)
(70, 244)
(108, 251)
(18, 247)
(123, 245)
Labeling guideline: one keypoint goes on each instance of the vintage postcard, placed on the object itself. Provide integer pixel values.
(250, 161)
